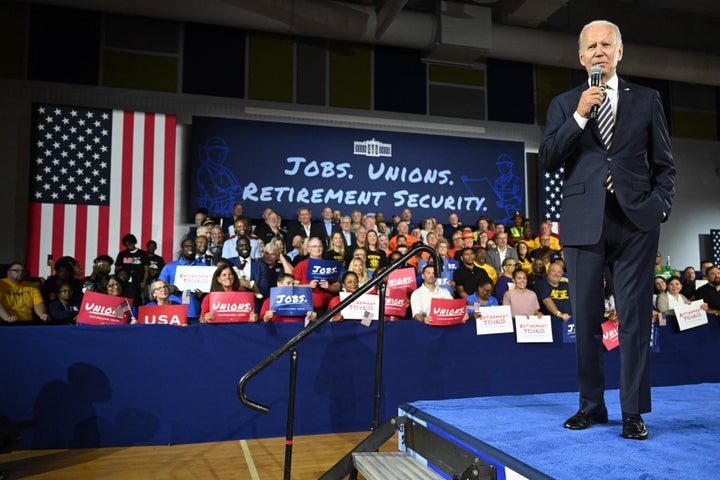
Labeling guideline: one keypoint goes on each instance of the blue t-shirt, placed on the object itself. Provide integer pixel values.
(473, 299)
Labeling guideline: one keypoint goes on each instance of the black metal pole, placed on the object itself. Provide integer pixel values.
(379, 356)
(291, 414)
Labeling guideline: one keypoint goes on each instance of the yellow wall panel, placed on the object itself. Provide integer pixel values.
(350, 75)
(270, 67)
(145, 72)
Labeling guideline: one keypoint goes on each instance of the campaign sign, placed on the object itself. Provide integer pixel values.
(690, 316)
(402, 279)
(101, 309)
(531, 329)
(319, 270)
(396, 302)
(231, 307)
(192, 278)
(163, 315)
(610, 334)
(357, 309)
(291, 301)
(444, 281)
(494, 320)
(445, 312)
(569, 331)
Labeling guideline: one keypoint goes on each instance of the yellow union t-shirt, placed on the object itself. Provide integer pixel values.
(19, 300)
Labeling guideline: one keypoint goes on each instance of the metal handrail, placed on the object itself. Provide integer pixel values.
(290, 345)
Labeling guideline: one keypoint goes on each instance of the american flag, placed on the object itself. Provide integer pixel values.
(551, 188)
(715, 237)
(95, 176)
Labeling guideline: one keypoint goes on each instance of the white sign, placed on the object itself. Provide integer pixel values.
(356, 310)
(690, 316)
(189, 277)
(533, 329)
(494, 320)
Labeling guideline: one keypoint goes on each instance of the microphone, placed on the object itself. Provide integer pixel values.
(595, 76)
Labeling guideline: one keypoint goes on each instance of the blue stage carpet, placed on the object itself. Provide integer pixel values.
(684, 440)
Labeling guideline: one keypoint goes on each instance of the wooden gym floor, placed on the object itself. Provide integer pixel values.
(258, 459)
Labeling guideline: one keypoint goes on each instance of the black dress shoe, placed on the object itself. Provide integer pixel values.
(582, 420)
(634, 428)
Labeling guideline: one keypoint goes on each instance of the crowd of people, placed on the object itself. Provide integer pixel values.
(490, 264)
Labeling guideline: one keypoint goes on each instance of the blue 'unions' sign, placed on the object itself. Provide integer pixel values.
(281, 166)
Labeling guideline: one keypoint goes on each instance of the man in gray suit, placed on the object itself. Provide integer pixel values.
(496, 256)
(619, 186)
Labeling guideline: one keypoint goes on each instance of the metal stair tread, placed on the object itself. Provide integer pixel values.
(392, 466)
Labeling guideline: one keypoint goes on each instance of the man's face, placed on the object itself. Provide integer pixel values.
(714, 276)
(217, 236)
(327, 214)
(199, 219)
(270, 257)
(453, 219)
(406, 215)
(103, 266)
(689, 274)
(545, 241)
(201, 245)
(457, 241)
(468, 242)
(554, 273)
(16, 271)
(600, 46)
(345, 224)
(237, 210)
(468, 257)
(481, 256)
(304, 216)
(188, 249)
(242, 246)
(240, 227)
(402, 228)
(315, 248)
(501, 239)
(361, 234)
(538, 266)
(428, 276)
(336, 216)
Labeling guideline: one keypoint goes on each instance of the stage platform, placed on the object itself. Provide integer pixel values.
(523, 435)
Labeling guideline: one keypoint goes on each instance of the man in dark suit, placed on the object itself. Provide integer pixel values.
(254, 274)
(304, 227)
(618, 188)
(348, 236)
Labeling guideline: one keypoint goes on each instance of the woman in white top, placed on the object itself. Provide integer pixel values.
(671, 298)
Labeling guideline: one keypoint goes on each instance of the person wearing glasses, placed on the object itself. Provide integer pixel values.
(160, 293)
(22, 303)
(64, 309)
(323, 290)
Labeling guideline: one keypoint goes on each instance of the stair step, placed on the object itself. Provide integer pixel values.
(392, 466)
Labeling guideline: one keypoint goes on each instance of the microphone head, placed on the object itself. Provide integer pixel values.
(595, 75)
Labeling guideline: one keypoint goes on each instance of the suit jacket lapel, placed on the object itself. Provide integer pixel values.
(624, 104)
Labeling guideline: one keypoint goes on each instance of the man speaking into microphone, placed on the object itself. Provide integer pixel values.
(611, 138)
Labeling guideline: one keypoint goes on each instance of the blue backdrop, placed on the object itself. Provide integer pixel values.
(280, 165)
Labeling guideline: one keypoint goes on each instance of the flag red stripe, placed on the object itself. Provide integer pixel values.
(34, 226)
(103, 227)
(58, 231)
(80, 233)
(168, 246)
(147, 187)
(126, 181)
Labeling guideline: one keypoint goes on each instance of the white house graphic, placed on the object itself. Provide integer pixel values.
(372, 148)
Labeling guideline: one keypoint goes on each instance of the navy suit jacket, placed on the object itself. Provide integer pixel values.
(259, 272)
(640, 161)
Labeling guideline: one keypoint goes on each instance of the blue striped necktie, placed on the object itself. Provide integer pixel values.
(606, 127)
